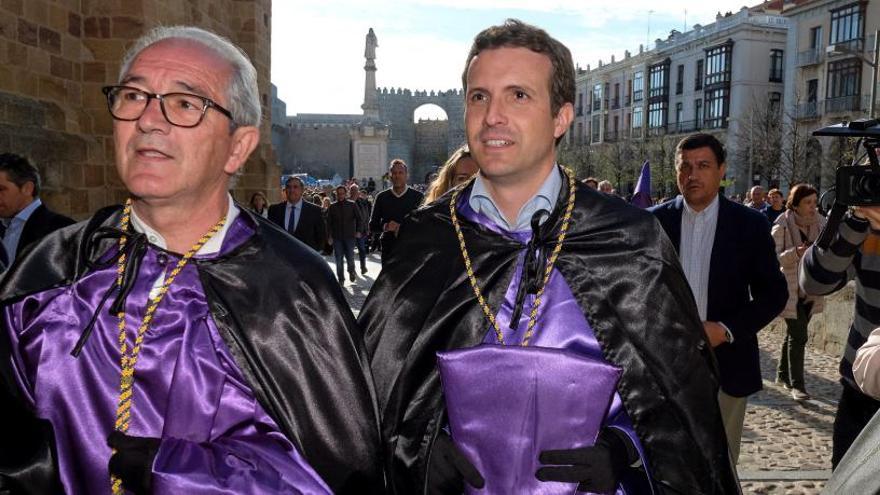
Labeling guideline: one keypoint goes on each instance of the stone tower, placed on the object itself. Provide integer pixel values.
(369, 137)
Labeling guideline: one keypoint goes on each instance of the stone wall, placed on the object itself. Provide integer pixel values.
(828, 330)
(56, 55)
(320, 151)
(431, 148)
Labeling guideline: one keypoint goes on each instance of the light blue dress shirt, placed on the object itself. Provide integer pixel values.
(14, 227)
(545, 199)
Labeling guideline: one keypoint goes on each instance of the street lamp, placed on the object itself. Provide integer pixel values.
(840, 49)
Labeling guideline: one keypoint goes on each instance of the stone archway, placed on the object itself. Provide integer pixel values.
(397, 107)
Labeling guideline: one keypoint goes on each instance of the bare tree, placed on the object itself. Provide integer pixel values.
(759, 138)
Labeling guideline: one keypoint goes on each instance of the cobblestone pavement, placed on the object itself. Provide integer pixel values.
(786, 446)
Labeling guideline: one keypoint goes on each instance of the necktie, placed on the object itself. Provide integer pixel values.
(291, 223)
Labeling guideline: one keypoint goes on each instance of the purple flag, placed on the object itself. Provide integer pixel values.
(642, 195)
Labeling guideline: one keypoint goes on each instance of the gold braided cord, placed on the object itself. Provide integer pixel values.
(533, 315)
(128, 359)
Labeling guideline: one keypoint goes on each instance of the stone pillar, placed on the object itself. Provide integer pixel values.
(369, 145)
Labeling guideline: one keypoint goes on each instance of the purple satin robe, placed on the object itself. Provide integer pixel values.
(561, 325)
(216, 438)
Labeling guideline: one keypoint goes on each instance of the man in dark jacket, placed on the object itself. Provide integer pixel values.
(524, 255)
(366, 210)
(299, 218)
(392, 206)
(201, 348)
(26, 219)
(730, 263)
(345, 221)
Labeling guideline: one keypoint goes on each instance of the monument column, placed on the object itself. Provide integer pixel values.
(369, 138)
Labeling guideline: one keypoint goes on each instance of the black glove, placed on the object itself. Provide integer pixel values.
(596, 469)
(133, 461)
(450, 469)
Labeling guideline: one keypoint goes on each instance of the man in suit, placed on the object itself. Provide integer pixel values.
(730, 262)
(25, 218)
(302, 219)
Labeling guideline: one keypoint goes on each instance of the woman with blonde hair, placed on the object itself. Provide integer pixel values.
(458, 169)
(793, 232)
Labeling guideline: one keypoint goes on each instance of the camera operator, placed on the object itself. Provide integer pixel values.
(854, 253)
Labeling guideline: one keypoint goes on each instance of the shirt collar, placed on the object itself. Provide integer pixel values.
(398, 195)
(211, 247)
(707, 211)
(26, 212)
(298, 204)
(544, 199)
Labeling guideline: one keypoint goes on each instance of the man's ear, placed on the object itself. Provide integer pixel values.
(244, 141)
(28, 188)
(563, 119)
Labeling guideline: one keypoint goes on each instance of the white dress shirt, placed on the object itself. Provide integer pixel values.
(14, 228)
(288, 208)
(695, 249)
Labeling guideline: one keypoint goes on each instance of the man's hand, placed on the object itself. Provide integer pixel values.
(392, 226)
(450, 469)
(133, 461)
(596, 469)
(715, 332)
(801, 250)
(869, 213)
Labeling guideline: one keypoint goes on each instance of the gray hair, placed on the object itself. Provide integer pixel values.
(242, 92)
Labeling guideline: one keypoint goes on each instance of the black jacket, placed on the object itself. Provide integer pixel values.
(286, 323)
(41, 222)
(625, 276)
(310, 229)
(746, 288)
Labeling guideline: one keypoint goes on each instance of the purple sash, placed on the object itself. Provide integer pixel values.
(506, 404)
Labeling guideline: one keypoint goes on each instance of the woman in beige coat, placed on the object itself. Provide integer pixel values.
(794, 231)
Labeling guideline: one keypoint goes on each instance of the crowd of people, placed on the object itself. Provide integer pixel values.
(182, 343)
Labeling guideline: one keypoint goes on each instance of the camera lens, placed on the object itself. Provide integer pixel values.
(867, 186)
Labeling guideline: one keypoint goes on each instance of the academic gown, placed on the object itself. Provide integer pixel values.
(632, 292)
(252, 373)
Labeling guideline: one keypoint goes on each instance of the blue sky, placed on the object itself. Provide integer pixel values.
(318, 46)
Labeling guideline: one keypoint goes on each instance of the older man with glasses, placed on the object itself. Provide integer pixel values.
(179, 343)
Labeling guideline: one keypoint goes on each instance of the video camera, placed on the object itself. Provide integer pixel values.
(858, 185)
(855, 185)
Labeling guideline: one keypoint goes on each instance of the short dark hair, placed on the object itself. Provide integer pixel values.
(20, 171)
(798, 193)
(701, 140)
(517, 34)
(398, 161)
(292, 179)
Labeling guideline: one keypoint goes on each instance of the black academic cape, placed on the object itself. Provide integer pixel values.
(286, 323)
(624, 274)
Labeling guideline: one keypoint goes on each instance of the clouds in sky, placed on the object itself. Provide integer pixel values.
(318, 46)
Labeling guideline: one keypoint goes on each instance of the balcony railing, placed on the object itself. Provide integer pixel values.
(627, 101)
(812, 56)
(615, 103)
(808, 110)
(853, 103)
(580, 111)
(611, 136)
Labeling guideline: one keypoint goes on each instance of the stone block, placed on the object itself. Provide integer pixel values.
(54, 116)
(94, 175)
(14, 6)
(27, 82)
(127, 27)
(52, 89)
(74, 24)
(58, 18)
(8, 27)
(97, 27)
(60, 67)
(94, 72)
(24, 112)
(17, 54)
(27, 32)
(107, 50)
(79, 202)
(37, 11)
(71, 176)
(50, 39)
(7, 78)
(133, 8)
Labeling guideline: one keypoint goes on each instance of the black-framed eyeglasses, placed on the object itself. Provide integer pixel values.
(180, 109)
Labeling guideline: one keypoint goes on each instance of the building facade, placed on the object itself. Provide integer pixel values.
(56, 56)
(707, 79)
(832, 43)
